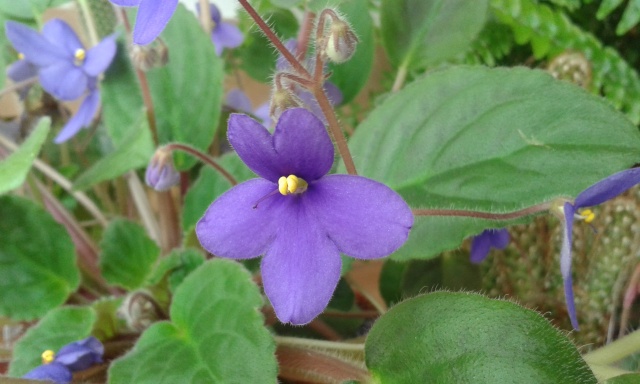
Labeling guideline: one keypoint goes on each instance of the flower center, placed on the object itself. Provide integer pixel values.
(48, 356)
(587, 215)
(21, 56)
(79, 56)
(291, 184)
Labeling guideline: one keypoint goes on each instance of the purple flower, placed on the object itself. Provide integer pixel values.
(489, 238)
(153, 16)
(22, 70)
(56, 372)
(239, 101)
(224, 35)
(299, 217)
(66, 70)
(598, 193)
(160, 174)
(73, 357)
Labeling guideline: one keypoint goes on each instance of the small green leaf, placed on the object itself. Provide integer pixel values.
(209, 185)
(630, 378)
(492, 140)
(446, 337)
(351, 76)
(423, 33)
(192, 80)
(37, 260)
(134, 152)
(216, 334)
(14, 169)
(127, 254)
(59, 327)
(177, 266)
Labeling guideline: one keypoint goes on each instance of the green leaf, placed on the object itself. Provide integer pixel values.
(492, 140)
(216, 334)
(16, 9)
(209, 185)
(448, 337)
(192, 80)
(59, 327)
(351, 76)
(630, 17)
(127, 254)
(630, 378)
(37, 260)
(121, 97)
(134, 152)
(423, 33)
(176, 266)
(14, 169)
(286, 4)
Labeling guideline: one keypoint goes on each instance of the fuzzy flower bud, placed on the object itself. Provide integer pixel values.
(281, 100)
(161, 175)
(339, 42)
(140, 310)
(146, 57)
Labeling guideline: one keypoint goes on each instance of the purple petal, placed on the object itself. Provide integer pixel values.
(226, 35)
(301, 268)
(232, 227)
(21, 70)
(565, 263)
(262, 113)
(153, 16)
(64, 81)
(311, 103)
(81, 355)
(299, 146)
(281, 63)
(126, 3)
(32, 45)
(63, 36)
(333, 93)
(608, 188)
(365, 218)
(237, 100)
(55, 372)
(82, 118)
(100, 57)
(482, 243)
(161, 177)
(215, 14)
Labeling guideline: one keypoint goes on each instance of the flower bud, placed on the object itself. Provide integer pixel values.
(281, 100)
(146, 57)
(161, 175)
(339, 43)
(139, 310)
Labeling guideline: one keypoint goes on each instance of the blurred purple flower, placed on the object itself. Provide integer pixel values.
(489, 238)
(66, 70)
(152, 17)
(22, 70)
(239, 101)
(161, 174)
(598, 193)
(73, 357)
(56, 372)
(299, 217)
(224, 35)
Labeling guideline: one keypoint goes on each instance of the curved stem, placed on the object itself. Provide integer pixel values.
(202, 157)
(484, 215)
(333, 345)
(205, 16)
(615, 351)
(295, 64)
(401, 76)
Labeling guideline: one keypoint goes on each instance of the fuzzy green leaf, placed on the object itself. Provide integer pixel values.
(14, 169)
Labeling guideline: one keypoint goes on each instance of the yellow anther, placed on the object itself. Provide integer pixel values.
(291, 184)
(80, 55)
(21, 56)
(48, 356)
(588, 216)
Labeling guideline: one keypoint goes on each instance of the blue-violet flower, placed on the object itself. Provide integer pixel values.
(66, 70)
(598, 193)
(223, 34)
(161, 174)
(239, 101)
(299, 217)
(73, 357)
(489, 238)
(152, 17)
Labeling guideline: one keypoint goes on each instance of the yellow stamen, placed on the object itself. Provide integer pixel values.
(291, 184)
(21, 56)
(48, 356)
(80, 55)
(588, 216)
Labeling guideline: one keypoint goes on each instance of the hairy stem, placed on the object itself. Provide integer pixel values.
(484, 215)
(332, 345)
(202, 157)
(615, 351)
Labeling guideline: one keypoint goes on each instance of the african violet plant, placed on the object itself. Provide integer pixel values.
(458, 169)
